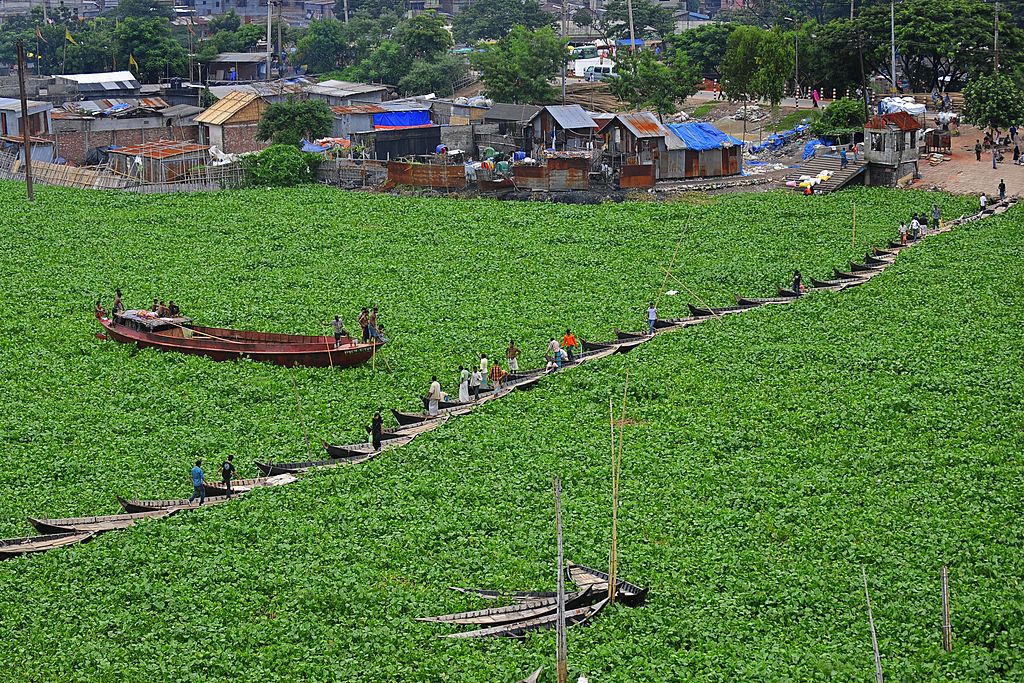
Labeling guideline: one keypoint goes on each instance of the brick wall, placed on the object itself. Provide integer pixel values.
(241, 138)
(74, 138)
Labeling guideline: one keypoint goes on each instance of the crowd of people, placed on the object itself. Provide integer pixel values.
(369, 328)
(917, 227)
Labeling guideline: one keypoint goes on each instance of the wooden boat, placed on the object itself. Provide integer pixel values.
(238, 486)
(668, 323)
(863, 268)
(519, 596)
(828, 284)
(596, 346)
(627, 593)
(523, 383)
(180, 334)
(698, 312)
(619, 334)
(519, 628)
(883, 252)
(273, 469)
(358, 450)
(95, 525)
(444, 405)
(875, 261)
(840, 275)
(588, 356)
(534, 677)
(14, 547)
(136, 505)
(518, 612)
(751, 302)
(786, 292)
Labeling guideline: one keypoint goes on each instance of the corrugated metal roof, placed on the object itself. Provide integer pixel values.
(359, 109)
(240, 57)
(34, 106)
(900, 119)
(224, 109)
(103, 77)
(642, 124)
(162, 149)
(570, 116)
(179, 110)
(502, 111)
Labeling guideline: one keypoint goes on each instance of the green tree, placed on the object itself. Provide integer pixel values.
(150, 42)
(289, 122)
(322, 46)
(774, 60)
(583, 17)
(703, 46)
(841, 119)
(437, 76)
(495, 18)
(388, 63)
(375, 9)
(993, 101)
(282, 166)
(519, 67)
(739, 66)
(650, 20)
(424, 35)
(224, 22)
(646, 83)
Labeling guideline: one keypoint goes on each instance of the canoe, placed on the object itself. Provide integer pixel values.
(698, 312)
(444, 405)
(840, 275)
(519, 628)
(668, 323)
(619, 334)
(358, 450)
(95, 525)
(828, 284)
(863, 268)
(786, 292)
(245, 485)
(751, 302)
(883, 252)
(627, 593)
(273, 469)
(13, 547)
(524, 383)
(146, 330)
(875, 261)
(519, 596)
(517, 612)
(136, 505)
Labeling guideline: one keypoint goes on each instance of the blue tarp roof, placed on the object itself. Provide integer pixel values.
(624, 42)
(702, 136)
(402, 119)
(308, 146)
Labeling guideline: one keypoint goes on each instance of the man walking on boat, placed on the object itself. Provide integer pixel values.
(433, 396)
(227, 473)
(339, 330)
(198, 488)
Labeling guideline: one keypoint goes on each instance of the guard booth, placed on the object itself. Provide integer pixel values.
(891, 148)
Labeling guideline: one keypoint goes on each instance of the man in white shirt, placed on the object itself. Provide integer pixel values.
(434, 396)
(483, 371)
(652, 315)
(984, 201)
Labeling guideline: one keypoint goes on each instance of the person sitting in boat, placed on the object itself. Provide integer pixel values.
(155, 307)
(339, 330)
(173, 310)
(555, 351)
(118, 306)
(100, 311)
(497, 374)
(161, 310)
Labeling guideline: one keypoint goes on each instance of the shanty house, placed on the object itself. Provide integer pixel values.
(638, 139)
(705, 152)
(230, 123)
(891, 148)
(39, 125)
(115, 84)
(561, 127)
(339, 93)
(354, 118)
(238, 66)
(157, 162)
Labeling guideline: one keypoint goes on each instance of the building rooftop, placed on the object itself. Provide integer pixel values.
(103, 77)
(502, 111)
(358, 109)
(240, 57)
(162, 149)
(569, 116)
(225, 108)
(343, 88)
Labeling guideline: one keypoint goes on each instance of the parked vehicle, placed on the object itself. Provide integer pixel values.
(604, 72)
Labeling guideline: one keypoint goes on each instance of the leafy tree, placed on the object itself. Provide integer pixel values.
(646, 83)
(388, 63)
(287, 123)
(703, 46)
(519, 67)
(375, 9)
(150, 42)
(281, 166)
(322, 46)
(224, 22)
(739, 64)
(495, 18)
(583, 17)
(438, 76)
(993, 101)
(650, 20)
(424, 35)
(842, 118)
(774, 61)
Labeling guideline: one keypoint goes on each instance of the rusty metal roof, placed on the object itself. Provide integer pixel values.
(642, 124)
(162, 149)
(359, 109)
(900, 119)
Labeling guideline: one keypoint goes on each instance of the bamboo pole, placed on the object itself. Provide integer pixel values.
(561, 658)
(879, 677)
(854, 224)
(947, 628)
(26, 128)
(611, 554)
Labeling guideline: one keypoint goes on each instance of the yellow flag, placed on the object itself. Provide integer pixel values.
(132, 62)
(67, 37)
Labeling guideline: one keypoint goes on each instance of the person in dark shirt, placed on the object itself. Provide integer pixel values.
(376, 428)
(118, 306)
(798, 281)
(1002, 190)
(173, 310)
(227, 473)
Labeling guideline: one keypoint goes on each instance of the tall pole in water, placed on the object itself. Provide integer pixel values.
(561, 656)
(565, 35)
(25, 123)
(996, 40)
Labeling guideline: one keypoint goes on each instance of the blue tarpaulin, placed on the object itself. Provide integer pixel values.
(811, 144)
(702, 136)
(624, 42)
(308, 146)
(777, 140)
(401, 119)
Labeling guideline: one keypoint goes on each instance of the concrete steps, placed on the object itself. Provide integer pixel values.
(840, 177)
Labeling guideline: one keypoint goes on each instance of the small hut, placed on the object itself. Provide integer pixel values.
(706, 152)
(561, 127)
(891, 148)
(158, 162)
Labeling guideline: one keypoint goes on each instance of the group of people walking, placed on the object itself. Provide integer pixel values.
(918, 225)
(227, 475)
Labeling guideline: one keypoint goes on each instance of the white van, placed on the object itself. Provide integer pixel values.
(601, 72)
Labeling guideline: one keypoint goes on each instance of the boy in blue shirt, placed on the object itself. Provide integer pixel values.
(198, 490)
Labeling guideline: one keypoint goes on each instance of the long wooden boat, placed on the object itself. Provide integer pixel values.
(787, 292)
(444, 405)
(875, 261)
(136, 505)
(217, 488)
(627, 593)
(147, 330)
(619, 334)
(69, 525)
(272, 469)
(863, 268)
(14, 547)
(669, 323)
(523, 383)
(828, 284)
(519, 596)
(358, 450)
(517, 612)
(883, 252)
(698, 312)
(763, 301)
(519, 628)
(840, 275)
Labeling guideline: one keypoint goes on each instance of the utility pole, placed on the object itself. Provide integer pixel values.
(996, 39)
(270, 5)
(280, 45)
(632, 36)
(892, 40)
(26, 136)
(565, 35)
(346, 11)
